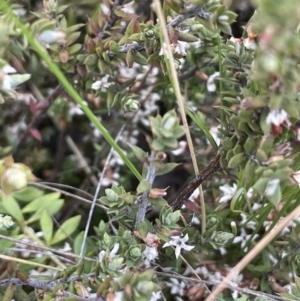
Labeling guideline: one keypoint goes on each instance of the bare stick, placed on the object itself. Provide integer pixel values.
(97, 193)
(176, 86)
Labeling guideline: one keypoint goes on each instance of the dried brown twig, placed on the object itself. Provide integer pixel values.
(212, 167)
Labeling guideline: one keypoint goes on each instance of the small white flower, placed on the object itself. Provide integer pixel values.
(267, 225)
(118, 296)
(237, 44)
(6, 81)
(196, 44)
(163, 51)
(96, 132)
(250, 193)
(112, 253)
(8, 69)
(102, 84)
(116, 159)
(228, 192)
(177, 288)
(216, 277)
(272, 186)
(19, 11)
(181, 149)
(96, 85)
(75, 109)
(179, 243)
(256, 207)
(195, 220)
(104, 8)
(214, 131)
(128, 8)
(223, 251)
(210, 84)
(132, 72)
(277, 117)
(202, 271)
(249, 44)
(181, 47)
(155, 296)
(150, 254)
(243, 238)
(288, 288)
(292, 224)
(195, 195)
(249, 224)
(111, 180)
(272, 258)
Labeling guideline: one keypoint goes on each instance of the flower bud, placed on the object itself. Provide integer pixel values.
(161, 156)
(15, 178)
(131, 105)
(157, 193)
(223, 18)
(51, 36)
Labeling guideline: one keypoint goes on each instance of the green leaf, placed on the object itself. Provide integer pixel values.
(66, 229)
(113, 46)
(74, 28)
(42, 202)
(140, 58)
(49, 202)
(260, 185)
(166, 168)
(139, 153)
(237, 160)
(235, 204)
(72, 38)
(46, 223)
(28, 194)
(9, 293)
(107, 240)
(78, 243)
(51, 209)
(12, 207)
(61, 8)
(143, 186)
(142, 228)
(159, 202)
(115, 263)
(74, 48)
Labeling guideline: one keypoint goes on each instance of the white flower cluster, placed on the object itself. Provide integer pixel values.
(5, 222)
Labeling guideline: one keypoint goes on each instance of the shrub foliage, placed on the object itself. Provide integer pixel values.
(94, 103)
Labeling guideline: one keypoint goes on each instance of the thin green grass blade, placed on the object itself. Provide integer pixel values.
(198, 120)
